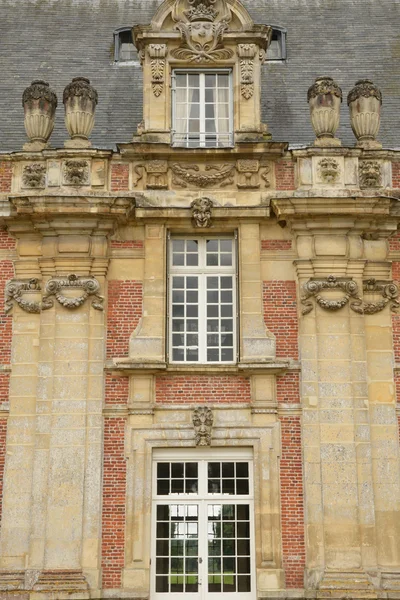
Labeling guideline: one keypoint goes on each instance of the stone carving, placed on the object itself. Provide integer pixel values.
(389, 292)
(248, 174)
(365, 101)
(15, 291)
(89, 285)
(369, 172)
(201, 212)
(313, 287)
(76, 172)
(246, 54)
(40, 103)
(329, 170)
(324, 98)
(264, 176)
(185, 174)
(80, 100)
(139, 172)
(156, 174)
(202, 27)
(34, 175)
(203, 420)
(157, 53)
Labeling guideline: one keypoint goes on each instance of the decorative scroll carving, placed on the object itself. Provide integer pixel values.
(190, 174)
(313, 288)
(157, 174)
(76, 172)
(389, 292)
(34, 176)
(246, 54)
(329, 170)
(89, 285)
(248, 174)
(203, 420)
(157, 53)
(15, 291)
(201, 212)
(369, 172)
(202, 29)
(265, 176)
(139, 171)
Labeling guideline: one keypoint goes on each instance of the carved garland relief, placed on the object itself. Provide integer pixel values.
(184, 174)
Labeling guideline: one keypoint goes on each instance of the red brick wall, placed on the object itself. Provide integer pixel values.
(394, 242)
(125, 299)
(5, 176)
(292, 502)
(202, 388)
(3, 436)
(135, 244)
(117, 389)
(288, 388)
(119, 177)
(114, 502)
(396, 174)
(280, 316)
(276, 244)
(284, 174)
(6, 273)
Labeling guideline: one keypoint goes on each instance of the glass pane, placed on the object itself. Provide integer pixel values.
(177, 470)
(228, 469)
(162, 513)
(163, 469)
(161, 584)
(194, 80)
(210, 80)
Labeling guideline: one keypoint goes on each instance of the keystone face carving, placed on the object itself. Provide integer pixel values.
(201, 212)
(389, 292)
(246, 54)
(15, 291)
(329, 170)
(76, 172)
(185, 174)
(369, 172)
(34, 176)
(203, 420)
(313, 288)
(157, 53)
(202, 26)
(89, 285)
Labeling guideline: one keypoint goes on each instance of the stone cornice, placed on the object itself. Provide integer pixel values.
(126, 366)
(139, 149)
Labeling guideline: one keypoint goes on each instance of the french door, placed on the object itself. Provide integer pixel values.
(203, 526)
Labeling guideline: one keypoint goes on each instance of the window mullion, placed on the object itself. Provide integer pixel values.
(202, 109)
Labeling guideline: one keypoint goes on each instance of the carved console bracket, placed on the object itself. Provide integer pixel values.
(89, 285)
(246, 53)
(313, 288)
(201, 212)
(157, 53)
(15, 291)
(203, 420)
(387, 289)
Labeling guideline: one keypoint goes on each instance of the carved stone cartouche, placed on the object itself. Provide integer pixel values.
(203, 420)
(34, 175)
(89, 285)
(202, 212)
(40, 103)
(324, 98)
(365, 101)
(80, 100)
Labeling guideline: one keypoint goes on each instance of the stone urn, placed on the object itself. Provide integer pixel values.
(80, 100)
(365, 101)
(324, 98)
(40, 103)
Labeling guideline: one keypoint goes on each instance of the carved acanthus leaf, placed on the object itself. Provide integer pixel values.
(157, 53)
(203, 421)
(247, 53)
(191, 174)
(15, 291)
(89, 286)
(313, 287)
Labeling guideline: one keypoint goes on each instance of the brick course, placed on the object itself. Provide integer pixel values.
(116, 389)
(119, 177)
(276, 244)
(114, 502)
(6, 273)
(280, 316)
(396, 174)
(394, 242)
(284, 174)
(125, 300)
(288, 388)
(202, 388)
(292, 502)
(135, 244)
(6, 169)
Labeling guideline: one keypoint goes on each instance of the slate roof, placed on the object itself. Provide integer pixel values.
(56, 40)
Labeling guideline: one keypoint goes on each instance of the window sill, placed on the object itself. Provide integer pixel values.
(128, 366)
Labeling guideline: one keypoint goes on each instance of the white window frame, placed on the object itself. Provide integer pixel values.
(202, 456)
(202, 271)
(203, 142)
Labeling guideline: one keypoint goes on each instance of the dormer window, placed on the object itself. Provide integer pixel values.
(202, 108)
(124, 50)
(277, 47)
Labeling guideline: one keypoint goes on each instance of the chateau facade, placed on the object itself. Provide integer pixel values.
(200, 336)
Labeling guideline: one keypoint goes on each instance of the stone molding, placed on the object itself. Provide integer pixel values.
(203, 420)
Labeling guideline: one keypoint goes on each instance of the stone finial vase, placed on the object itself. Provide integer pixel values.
(40, 103)
(324, 98)
(80, 100)
(365, 101)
